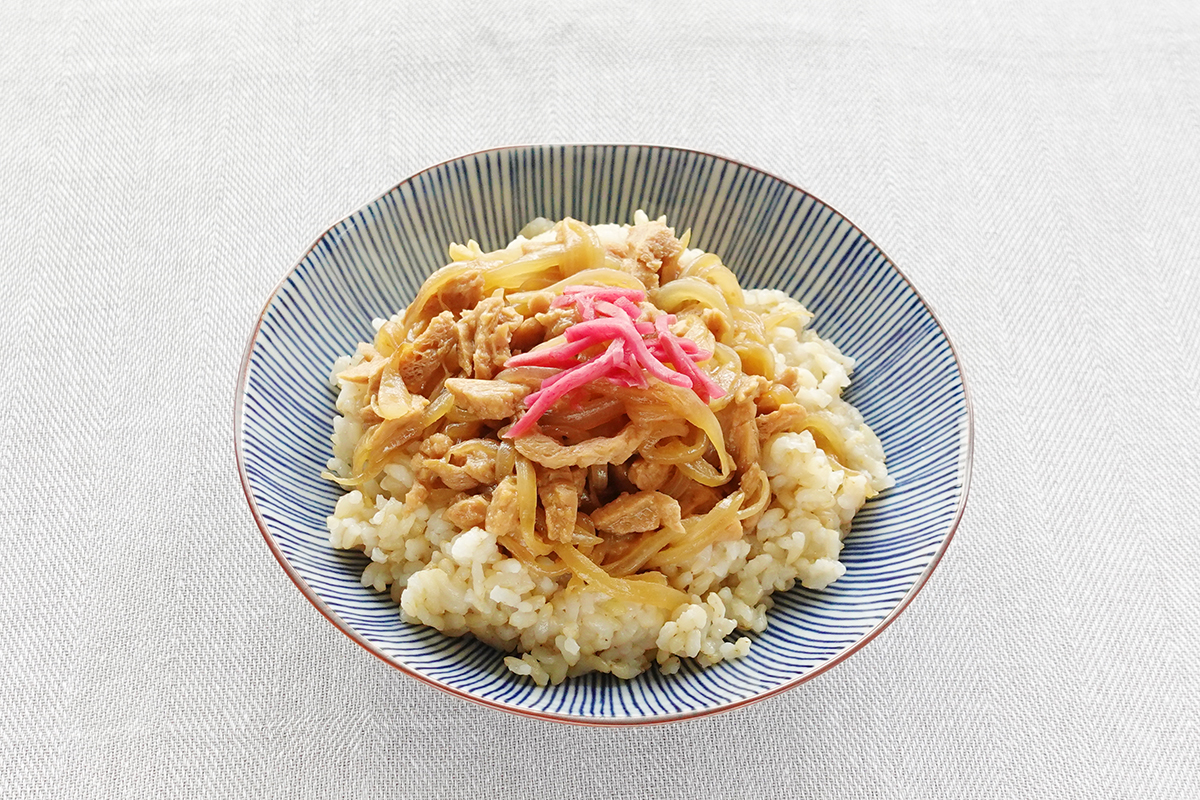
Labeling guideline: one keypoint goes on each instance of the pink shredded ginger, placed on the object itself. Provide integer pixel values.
(636, 347)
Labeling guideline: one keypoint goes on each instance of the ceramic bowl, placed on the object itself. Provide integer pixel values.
(908, 384)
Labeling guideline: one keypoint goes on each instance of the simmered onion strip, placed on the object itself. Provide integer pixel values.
(598, 450)
(506, 460)
(535, 565)
(376, 448)
(725, 367)
(757, 359)
(679, 293)
(604, 276)
(582, 248)
(389, 337)
(393, 400)
(635, 557)
(514, 275)
(749, 340)
(527, 376)
(635, 591)
(677, 451)
(709, 268)
(585, 532)
(719, 525)
(527, 503)
(703, 473)
(662, 401)
(827, 437)
(764, 497)
(590, 415)
(440, 407)
(775, 398)
(677, 484)
(430, 291)
(460, 431)
(490, 447)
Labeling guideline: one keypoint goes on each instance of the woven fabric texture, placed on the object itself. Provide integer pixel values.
(1033, 167)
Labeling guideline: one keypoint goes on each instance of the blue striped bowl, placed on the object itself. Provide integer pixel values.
(908, 385)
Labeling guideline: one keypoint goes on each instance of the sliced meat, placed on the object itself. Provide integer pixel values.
(638, 513)
(463, 293)
(738, 420)
(528, 335)
(649, 476)
(495, 321)
(697, 499)
(787, 418)
(470, 511)
(369, 415)
(464, 466)
(416, 497)
(559, 491)
(790, 377)
(459, 287)
(436, 470)
(476, 457)
(650, 244)
(600, 450)
(365, 370)
(750, 387)
(556, 321)
(433, 349)
(436, 446)
(692, 326)
(503, 518)
(486, 399)
(392, 399)
(539, 302)
(741, 434)
(465, 328)
(716, 322)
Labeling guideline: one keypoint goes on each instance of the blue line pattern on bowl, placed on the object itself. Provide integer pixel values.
(908, 385)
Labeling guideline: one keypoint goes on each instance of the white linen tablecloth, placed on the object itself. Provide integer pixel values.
(1034, 167)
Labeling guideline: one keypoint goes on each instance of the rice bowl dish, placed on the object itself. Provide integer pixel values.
(622, 562)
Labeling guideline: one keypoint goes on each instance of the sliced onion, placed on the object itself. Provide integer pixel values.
(429, 292)
(828, 438)
(683, 403)
(719, 524)
(506, 460)
(527, 502)
(536, 565)
(764, 497)
(527, 376)
(605, 276)
(438, 408)
(677, 451)
(514, 275)
(582, 248)
(703, 473)
(590, 415)
(643, 591)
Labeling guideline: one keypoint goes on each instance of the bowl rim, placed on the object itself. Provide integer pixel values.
(574, 719)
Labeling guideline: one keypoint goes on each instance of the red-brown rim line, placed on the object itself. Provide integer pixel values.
(361, 641)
